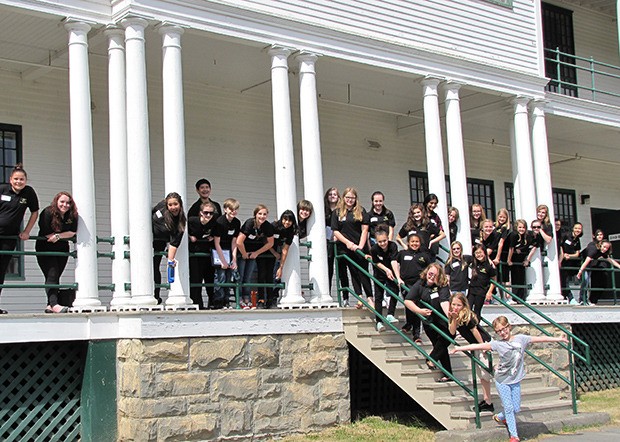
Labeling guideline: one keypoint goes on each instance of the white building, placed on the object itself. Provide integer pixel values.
(378, 94)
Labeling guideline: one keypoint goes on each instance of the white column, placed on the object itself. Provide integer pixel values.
(119, 221)
(515, 175)
(456, 162)
(544, 195)
(527, 191)
(434, 152)
(82, 168)
(174, 149)
(313, 177)
(138, 157)
(284, 158)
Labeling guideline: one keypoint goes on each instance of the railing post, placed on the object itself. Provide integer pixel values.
(592, 78)
(558, 69)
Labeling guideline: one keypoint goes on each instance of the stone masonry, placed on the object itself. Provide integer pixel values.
(231, 388)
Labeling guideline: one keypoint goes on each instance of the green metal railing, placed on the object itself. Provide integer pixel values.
(573, 339)
(588, 289)
(588, 66)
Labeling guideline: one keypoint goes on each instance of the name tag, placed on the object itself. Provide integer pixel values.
(252, 236)
(6, 197)
(343, 218)
(380, 258)
(568, 241)
(434, 295)
(158, 214)
(374, 219)
(408, 258)
(231, 232)
(455, 264)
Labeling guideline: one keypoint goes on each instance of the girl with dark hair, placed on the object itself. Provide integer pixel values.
(58, 223)
(523, 245)
(351, 235)
(168, 227)
(480, 287)
(432, 288)
(201, 240)
(430, 204)
(379, 215)
(304, 210)
(284, 231)
(382, 253)
(255, 239)
(601, 259)
(590, 250)
(15, 198)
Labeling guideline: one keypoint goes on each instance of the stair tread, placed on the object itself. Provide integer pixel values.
(467, 382)
(465, 397)
(533, 406)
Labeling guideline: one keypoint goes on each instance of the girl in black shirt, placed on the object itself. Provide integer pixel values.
(58, 222)
(201, 240)
(475, 221)
(480, 287)
(283, 233)
(502, 228)
(457, 268)
(331, 201)
(464, 321)
(256, 238)
(382, 253)
(15, 198)
(379, 215)
(453, 217)
(351, 235)
(600, 258)
(547, 229)
(168, 227)
(432, 288)
(304, 210)
(522, 248)
(430, 204)
(419, 223)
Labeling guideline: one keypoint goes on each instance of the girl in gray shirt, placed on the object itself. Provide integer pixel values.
(510, 369)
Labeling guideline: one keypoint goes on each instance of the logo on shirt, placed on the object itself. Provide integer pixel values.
(23, 201)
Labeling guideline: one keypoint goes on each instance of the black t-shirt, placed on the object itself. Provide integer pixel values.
(521, 245)
(302, 228)
(203, 234)
(411, 264)
(481, 277)
(434, 218)
(348, 226)
(426, 233)
(453, 229)
(160, 231)
(458, 271)
(281, 236)
(432, 295)
(570, 244)
(68, 224)
(195, 209)
(226, 231)
(13, 207)
(503, 233)
(255, 237)
(490, 242)
(466, 331)
(385, 257)
(373, 219)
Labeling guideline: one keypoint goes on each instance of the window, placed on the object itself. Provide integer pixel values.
(558, 34)
(478, 191)
(564, 204)
(509, 195)
(11, 154)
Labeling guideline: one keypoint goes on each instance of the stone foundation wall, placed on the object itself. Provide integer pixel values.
(231, 387)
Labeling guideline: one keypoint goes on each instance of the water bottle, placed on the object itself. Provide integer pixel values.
(171, 265)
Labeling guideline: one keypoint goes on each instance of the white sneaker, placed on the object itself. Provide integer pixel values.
(573, 302)
(380, 327)
(384, 303)
(391, 319)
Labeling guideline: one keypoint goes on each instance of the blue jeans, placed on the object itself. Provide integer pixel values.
(222, 276)
(247, 267)
(510, 394)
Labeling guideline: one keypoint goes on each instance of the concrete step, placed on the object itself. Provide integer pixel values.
(442, 389)
(464, 402)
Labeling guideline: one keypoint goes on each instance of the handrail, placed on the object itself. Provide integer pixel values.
(613, 270)
(571, 352)
(473, 392)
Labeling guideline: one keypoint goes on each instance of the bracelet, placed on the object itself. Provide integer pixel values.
(57, 236)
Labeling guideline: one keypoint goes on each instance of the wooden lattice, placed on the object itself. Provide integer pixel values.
(604, 371)
(40, 386)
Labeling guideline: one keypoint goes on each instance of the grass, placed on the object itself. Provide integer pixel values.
(376, 429)
(371, 429)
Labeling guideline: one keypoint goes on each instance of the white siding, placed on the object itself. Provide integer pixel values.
(229, 140)
(469, 29)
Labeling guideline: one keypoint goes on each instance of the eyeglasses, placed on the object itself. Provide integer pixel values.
(535, 227)
(503, 330)
(350, 198)
(206, 213)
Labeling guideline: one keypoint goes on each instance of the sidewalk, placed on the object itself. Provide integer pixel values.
(531, 430)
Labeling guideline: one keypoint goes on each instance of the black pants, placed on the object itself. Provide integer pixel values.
(360, 279)
(52, 268)
(264, 274)
(201, 270)
(411, 318)
(600, 280)
(476, 301)
(158, 246)
(6, 244)
(567, 274)
(440, 345)
(517, 276)
(378, 298)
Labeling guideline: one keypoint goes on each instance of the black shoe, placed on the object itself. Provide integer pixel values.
(407, 327)
(483, 406)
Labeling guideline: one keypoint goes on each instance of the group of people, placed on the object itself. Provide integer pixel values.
(225, 250)
(57, 225)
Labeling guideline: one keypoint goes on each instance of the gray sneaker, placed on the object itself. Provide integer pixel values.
(380, 327)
